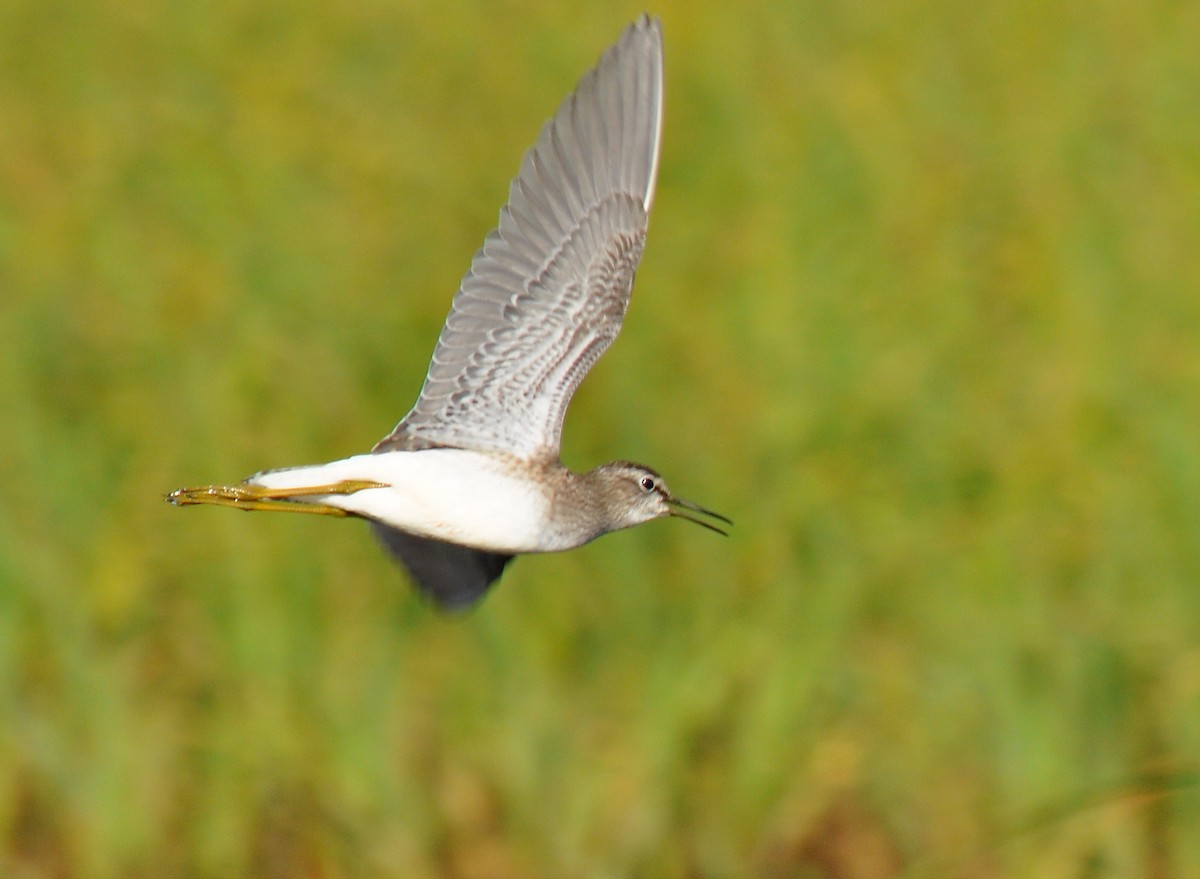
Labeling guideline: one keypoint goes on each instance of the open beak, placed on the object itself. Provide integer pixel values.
(678, 503)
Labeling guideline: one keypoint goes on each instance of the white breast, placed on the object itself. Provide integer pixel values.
(472, 498)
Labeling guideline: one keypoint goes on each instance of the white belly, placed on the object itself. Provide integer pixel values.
(464, 497)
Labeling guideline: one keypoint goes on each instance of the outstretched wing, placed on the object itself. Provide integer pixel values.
(546, 294)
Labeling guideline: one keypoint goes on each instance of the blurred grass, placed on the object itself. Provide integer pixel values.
(919, 310)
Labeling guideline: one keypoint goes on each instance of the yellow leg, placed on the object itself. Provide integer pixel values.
(258, 497)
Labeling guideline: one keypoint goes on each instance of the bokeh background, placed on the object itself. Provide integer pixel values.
(920, 310)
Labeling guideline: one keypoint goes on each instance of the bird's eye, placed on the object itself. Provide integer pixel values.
(647, 483)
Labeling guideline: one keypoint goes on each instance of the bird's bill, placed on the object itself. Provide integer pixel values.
(680, 503)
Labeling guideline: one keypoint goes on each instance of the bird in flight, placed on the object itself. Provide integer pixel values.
(471, 476)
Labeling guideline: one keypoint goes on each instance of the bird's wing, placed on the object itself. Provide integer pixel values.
(454, 577)
(546, 294)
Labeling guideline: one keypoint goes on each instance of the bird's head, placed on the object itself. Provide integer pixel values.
(635, 494)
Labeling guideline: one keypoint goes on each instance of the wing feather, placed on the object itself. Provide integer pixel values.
(547, 292)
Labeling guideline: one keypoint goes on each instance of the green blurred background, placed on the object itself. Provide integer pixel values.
(919, 310)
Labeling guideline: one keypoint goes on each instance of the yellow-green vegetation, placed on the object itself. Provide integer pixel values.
(920, 310)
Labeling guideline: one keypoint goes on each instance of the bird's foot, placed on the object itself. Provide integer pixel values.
(245, 496)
